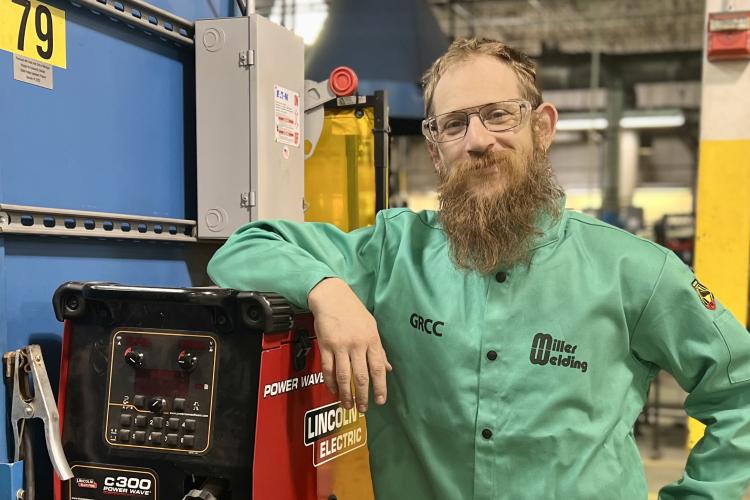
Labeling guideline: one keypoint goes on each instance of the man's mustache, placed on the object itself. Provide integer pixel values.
(499, 160)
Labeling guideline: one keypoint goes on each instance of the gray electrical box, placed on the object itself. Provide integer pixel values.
(249, 75)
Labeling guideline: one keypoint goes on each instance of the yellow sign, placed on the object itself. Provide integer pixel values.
(33, 29)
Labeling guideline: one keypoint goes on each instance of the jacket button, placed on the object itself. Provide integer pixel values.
(501, 276)
(486, 433)
(492, 355)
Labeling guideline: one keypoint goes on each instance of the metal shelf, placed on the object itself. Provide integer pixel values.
(20, 219)
(145, 16)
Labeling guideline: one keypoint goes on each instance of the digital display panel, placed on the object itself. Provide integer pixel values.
(167, 383)
(193, 345)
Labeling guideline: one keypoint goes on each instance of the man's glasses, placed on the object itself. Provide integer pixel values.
(496, 117)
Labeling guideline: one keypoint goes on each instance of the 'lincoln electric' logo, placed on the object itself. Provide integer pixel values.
(548, 350)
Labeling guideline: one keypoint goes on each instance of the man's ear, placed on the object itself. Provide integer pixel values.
(545, 123)
(432, 147)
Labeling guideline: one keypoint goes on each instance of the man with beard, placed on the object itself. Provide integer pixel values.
(522, 337)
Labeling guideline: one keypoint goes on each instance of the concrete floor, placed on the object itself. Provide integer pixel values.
(662, 471)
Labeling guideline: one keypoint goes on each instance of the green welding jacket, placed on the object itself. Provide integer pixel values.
(524, 383)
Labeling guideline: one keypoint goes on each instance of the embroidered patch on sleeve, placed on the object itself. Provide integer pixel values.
(705, 295)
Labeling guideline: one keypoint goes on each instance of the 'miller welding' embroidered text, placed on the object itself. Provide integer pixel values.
(548, 350)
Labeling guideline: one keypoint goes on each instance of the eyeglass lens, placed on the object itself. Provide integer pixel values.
(496, 117)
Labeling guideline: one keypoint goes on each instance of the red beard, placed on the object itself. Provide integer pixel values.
(490, 207)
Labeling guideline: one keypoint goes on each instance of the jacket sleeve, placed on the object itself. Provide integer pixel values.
(684, 330)
(291, 258)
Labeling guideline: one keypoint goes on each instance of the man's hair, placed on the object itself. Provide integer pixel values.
(464, 48)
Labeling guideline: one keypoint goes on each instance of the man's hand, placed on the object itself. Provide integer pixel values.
(349, 344)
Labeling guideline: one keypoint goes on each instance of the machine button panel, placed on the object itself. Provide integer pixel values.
(172, 439)
(161, 390)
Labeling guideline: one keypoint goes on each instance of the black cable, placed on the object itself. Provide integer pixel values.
(242, 4)
(8, 363)
(211, 489)
(27, 454)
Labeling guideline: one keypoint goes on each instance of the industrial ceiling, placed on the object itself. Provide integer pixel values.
(570, 26)
(579, 44)
(575, 26)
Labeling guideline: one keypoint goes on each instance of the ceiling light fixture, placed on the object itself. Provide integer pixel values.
(630, 120)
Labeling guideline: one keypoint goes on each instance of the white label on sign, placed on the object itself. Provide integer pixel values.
(32, 71)
(730, 24)
(286, 112)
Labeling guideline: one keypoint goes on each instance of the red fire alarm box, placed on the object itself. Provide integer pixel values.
(728, 36)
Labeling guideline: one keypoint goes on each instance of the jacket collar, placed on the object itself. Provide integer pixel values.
(551, 228)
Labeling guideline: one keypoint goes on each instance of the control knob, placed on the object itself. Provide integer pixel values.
(133, 357)
(157, 404)
(187, 361)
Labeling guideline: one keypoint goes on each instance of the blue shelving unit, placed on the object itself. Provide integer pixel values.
(116, 134)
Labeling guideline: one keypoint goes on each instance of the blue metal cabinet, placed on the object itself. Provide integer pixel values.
(116, 134)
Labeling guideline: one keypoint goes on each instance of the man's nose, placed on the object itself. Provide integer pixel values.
(478, 139)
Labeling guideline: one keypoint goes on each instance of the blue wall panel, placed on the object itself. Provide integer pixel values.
(34, 268)
(115, 120)
(116, 134)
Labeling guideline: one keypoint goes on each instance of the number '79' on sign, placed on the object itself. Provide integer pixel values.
(33, 29)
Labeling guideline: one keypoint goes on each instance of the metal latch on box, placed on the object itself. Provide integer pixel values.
(247, 199)
(32, 398)
(247, 57)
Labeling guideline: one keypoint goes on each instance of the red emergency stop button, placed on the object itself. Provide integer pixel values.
(343, 81)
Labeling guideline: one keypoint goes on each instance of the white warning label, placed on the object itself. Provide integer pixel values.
(32, 71)
(286, 112)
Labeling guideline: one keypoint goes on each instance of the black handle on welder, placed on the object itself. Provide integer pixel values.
(69, 300)
(115, 291)
(260, 311)
(265, 312)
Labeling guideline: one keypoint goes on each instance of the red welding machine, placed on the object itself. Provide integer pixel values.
(207, 393)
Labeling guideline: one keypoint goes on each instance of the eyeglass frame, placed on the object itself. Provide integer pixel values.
(526, 109)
